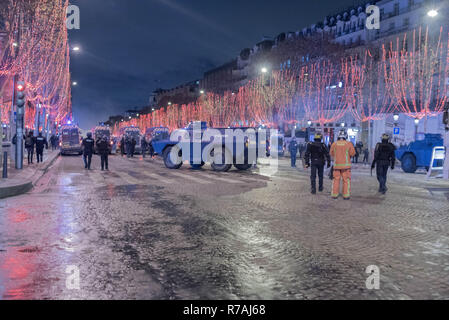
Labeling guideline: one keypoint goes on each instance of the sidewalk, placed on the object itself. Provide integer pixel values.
(22, 181)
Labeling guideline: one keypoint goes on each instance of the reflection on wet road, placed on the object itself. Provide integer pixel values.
(144, 232)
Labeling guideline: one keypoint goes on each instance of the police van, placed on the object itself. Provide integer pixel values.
(100, 132)
(133, 132)
(70, 141)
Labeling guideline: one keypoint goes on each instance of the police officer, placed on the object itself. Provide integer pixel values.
(88, 150)
(40, 143)
(316, 156)
(29, 145)
(144, 146)
(293, 149)
(103, 151)
(128, 146)
(133, 146)
(384, 157)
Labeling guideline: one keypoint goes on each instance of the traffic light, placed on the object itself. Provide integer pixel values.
(20, 96)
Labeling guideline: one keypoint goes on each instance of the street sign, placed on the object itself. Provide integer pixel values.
(396, 130)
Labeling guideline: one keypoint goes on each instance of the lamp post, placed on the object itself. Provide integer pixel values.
(396, 121)
(416, 128)
(309, 124)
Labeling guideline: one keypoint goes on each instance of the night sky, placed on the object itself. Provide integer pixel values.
(131, 47)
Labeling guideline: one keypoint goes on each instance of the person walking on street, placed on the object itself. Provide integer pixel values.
(293, 149)
(358, 151)
(122, 146)
(128, 146)
(384, 157)
(144, 146)
(365, 156)
(341, 152)
(103, 151)
(133, 146)
(40, 143)
(316, 156)
(88, 150)
(53, 142)
(29, 145)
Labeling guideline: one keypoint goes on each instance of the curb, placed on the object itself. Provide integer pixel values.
(15, 190)
(26, 185)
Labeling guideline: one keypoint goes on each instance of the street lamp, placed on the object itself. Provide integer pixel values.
(15, 44)
(309, 123)
(74, 83)
(169, 103)
(416, 128)
(264, 70)
(396, 118)
(201, 91)
(432, 13)
(342, 124)
(76, 49)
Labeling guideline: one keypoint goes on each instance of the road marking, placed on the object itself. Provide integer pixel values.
(129, 179)
(215, 177)
(191, 178)
(158, 177)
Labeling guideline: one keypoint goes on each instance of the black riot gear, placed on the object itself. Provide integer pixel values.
(316, 156)
(384, 157)
(88, 150)
(41, 142)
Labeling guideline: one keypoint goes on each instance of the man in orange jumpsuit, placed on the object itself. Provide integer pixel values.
(342, 151)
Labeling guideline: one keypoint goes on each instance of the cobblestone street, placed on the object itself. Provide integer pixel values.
(143, 231)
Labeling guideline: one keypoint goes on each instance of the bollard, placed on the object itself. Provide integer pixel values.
(5, 165)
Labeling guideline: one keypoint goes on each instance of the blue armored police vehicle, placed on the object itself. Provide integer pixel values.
(418, 154)
(221, 147)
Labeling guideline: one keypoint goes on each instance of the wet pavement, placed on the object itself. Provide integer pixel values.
(141, 231)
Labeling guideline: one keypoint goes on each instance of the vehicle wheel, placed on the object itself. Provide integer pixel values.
(223, 155)
(408, 163)
(243, 166)
(197, 166)
(173, 157)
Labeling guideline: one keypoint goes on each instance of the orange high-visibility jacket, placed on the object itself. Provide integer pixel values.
(341, 152)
